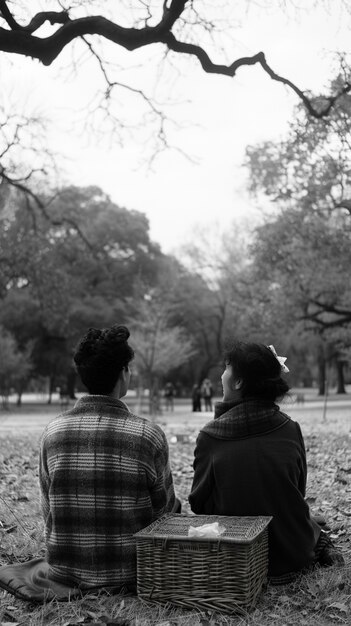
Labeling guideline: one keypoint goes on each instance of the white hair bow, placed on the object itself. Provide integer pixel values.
(281, 360)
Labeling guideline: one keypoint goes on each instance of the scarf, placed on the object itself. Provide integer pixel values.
(245, 418)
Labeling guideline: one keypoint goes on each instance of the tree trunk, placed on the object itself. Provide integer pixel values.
(322, 372)
(140, 396)
(340, 377)
(70, 383)
(20, 387)
(52, 380)
(154, 398)
(203, 373)
(5, 401)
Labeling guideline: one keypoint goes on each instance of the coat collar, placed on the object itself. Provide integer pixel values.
(99, 400)
(245, 418)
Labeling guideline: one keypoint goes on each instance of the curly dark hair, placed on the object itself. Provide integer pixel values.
(259, 370)
(100, 356)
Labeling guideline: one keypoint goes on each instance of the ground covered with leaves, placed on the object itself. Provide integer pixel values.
(322, 597)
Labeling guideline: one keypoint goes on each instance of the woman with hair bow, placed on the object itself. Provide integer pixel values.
(250, 460)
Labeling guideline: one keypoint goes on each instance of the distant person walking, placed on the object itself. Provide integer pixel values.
(196, 397)
(207, 393)
(169, 393)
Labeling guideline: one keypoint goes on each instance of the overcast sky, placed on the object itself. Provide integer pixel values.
(220, 118)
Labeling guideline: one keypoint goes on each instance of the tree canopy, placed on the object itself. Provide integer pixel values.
(302, 251)
(58, 277)
(308, 176)
(312, 165)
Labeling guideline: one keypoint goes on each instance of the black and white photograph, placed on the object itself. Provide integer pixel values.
(175, 313)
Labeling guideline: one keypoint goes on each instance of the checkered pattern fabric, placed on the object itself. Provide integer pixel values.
(104, 474)
(245, 418)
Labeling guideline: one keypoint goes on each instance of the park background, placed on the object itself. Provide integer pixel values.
(136, 188)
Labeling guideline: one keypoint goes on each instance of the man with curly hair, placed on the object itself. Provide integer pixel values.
(104, 474)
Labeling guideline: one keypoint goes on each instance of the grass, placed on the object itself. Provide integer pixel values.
(322, 597)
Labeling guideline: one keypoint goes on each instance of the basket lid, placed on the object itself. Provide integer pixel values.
(176, 525)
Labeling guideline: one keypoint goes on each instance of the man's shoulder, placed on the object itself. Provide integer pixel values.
(86, 416)
(148, 428)
(131, 422)
(60, 420)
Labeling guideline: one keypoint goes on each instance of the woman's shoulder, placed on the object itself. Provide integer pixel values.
(292, 427)
(289, 420)
(236, 423)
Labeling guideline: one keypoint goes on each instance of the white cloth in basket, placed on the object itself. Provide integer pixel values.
(207, 530)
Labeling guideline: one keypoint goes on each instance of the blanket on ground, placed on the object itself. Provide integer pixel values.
(33, 581)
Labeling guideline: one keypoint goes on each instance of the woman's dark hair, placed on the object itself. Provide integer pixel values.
(100, 357)
(259, 370)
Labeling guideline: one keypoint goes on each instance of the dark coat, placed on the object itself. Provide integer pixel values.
(251, 460)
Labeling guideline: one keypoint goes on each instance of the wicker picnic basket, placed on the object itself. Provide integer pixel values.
(224, 574)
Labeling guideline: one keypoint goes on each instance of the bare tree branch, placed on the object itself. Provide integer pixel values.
(30, 195)
(343, 315)
(54, 17)
(7, 15)
(230, 70)
(20, 40)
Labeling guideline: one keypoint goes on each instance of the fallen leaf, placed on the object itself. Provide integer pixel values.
(341, 479)
(340, 606)
(7, 528)
(283, 598)
(311, 499)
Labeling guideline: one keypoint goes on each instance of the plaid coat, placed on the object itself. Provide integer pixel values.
(104, 474)
(251, 460)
